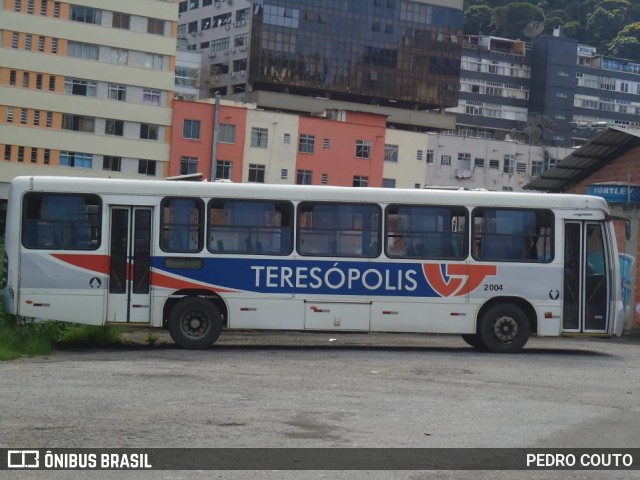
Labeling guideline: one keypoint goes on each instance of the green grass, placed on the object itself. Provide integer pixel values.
(19, 338)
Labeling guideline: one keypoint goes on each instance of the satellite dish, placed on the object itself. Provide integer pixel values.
(536, 126)
(533, 28)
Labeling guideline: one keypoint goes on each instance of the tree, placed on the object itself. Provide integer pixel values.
(510, 21)
(626, 43)
(477, 20)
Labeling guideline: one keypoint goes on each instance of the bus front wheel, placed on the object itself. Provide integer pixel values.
(474, 340)
(195, 323)
(504, 328)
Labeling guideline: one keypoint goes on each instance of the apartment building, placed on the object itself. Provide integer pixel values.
(86, 87)
(345, 148)
(549, 90)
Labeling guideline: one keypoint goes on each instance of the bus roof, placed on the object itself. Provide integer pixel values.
(306, 192)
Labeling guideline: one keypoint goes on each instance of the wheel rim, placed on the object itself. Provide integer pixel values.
(505, 328)
(195, 324)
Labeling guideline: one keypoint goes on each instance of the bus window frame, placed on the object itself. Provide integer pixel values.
(164, 244)
(94, 232)
(464, 251)
(286, 231)
(477, 238)
(366, 251)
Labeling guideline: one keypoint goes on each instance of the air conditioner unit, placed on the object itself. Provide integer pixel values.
(463, 173)
(227, 26)
(243, 72)
(212, 54)
(233, 74)
(243, 48)
(226, 52)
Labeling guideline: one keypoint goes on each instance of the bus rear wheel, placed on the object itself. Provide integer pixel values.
(504, 328)
(195, 323)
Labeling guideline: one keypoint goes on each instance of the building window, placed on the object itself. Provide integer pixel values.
(121, 20)
(9, 114)
(430, 157)
(191, 129)
(78, 123)
(17, 5)
(27, 41)
(76, 160)
(324, 178)
(119, 56)
(41, 44)
(363, 149)
(304, 177)
(56, 9)
(49, 119)
(391, 153)
(464, 161)
(536, 168)
(151, 97)
(286, 139)
(223, 169)
(419, 155)
(21, 154)
(388, 183)
(39, 81)
(7, 153)
(114, 127)
(227, 133)
(12, 78)
(112, 164)
(73, 86)
(445, 160)
(25, 79)
(34, 155)
(193, 4)
(155, 26)
(15, 40)
(81, 50)
(284, 174)
(259, 137)
(36, 117)
(509, 164)
(478, 162)
(23, 116)
(326, 143)
(86, 15)
(148, 132)
(494, 164)
(188, 165)
(306, 143)
(256, 173)
(155, 62)
(47, 156)
(147, 167)
(43, 8)
(360, 181)
(52, 83)
(54, 46)
(117, 92)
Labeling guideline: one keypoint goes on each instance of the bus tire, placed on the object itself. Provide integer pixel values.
(504, 328)
(474, 340)
(195, 323)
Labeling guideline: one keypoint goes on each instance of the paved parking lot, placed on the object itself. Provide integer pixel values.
(257, 389)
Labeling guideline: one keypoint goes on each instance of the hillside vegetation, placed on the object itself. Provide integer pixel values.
(613, 26)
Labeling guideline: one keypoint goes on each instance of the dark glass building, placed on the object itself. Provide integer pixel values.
(399, 53)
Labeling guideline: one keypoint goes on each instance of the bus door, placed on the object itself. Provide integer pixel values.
(129, 265)
(586, 289)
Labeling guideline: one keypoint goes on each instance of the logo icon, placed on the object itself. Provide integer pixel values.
(456, 279)
(23, 458)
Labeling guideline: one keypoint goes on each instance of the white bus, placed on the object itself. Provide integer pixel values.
(197, 257)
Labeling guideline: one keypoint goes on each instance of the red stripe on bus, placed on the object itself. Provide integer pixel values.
(95, 263)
